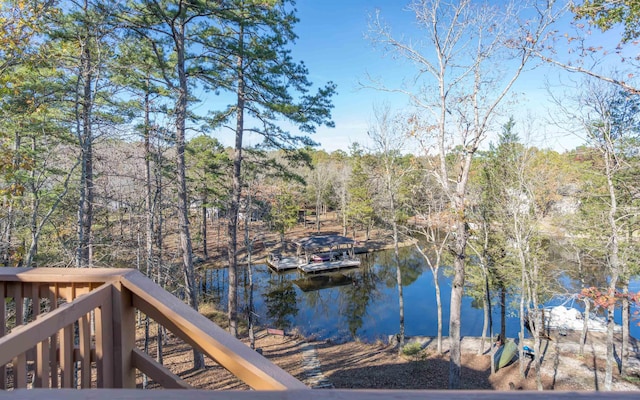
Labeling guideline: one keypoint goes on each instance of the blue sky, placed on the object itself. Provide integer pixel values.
(332, 43)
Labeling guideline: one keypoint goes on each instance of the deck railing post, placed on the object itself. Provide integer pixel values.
(104, 344)
(123, 337)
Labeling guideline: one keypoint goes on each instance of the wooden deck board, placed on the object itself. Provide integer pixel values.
(284, 263)
(328, 266)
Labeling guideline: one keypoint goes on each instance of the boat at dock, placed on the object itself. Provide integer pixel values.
(326, 253)
(315, 254)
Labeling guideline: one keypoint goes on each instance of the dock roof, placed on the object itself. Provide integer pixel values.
(313, 242)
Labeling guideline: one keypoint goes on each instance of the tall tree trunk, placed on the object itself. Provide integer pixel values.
(486, 320)
(614, 265)
(8, 228)
(625, 326)
(436, 283)
(148, 191)
(488, 311)
(523, 283)
(503, 311)
(587, 307)
(8, 232)
(585, 325)
(148, 211)
(85, 206)
(396, 252)
(344, 223)
(457, 291)
(183, 206)
(205, 251)
(249, 244)
(159, 243)
(236, 192)
(318, 207)
(35, 205)
(343, 205)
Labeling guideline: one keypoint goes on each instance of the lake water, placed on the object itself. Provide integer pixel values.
(359, 303)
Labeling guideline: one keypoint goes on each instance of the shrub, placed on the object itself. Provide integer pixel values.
(412, 349)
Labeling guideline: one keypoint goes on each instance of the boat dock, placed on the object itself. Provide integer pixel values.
(316, 267)
(317, 254)
(279, 263)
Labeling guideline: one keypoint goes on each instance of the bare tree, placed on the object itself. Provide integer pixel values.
(341, 190)
(610, 118)
(319, 180)
(389, 137)
(582, 47)
(475, 54)
(431, 207)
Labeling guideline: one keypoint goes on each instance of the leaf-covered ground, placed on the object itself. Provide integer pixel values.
(359, 365)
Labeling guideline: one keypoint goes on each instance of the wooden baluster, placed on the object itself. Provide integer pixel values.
(42, 365)
(66, 357)
(66, 346)
(19, 362)
(85, 352)
(85, 344)
(53, 340)
(104, 345)
(3, 330)
(34, 294)
(43, 369)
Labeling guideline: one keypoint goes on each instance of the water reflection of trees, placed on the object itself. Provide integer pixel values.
(411, 266)
(582, 269)
(348, 302)
(357, 298)
(281, 301)
(344, 309)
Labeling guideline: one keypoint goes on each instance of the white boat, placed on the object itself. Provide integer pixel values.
(571, 319)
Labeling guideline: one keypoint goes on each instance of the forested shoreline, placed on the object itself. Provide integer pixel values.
(108, 159)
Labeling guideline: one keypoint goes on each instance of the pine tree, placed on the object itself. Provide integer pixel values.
(269, 87)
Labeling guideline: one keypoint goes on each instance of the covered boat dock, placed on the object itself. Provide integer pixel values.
(326, 252)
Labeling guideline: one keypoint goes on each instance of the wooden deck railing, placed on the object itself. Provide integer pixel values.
(75, 328)
(49, 341)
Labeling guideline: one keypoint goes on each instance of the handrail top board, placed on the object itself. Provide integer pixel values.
(63, 275)
(193, 327)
